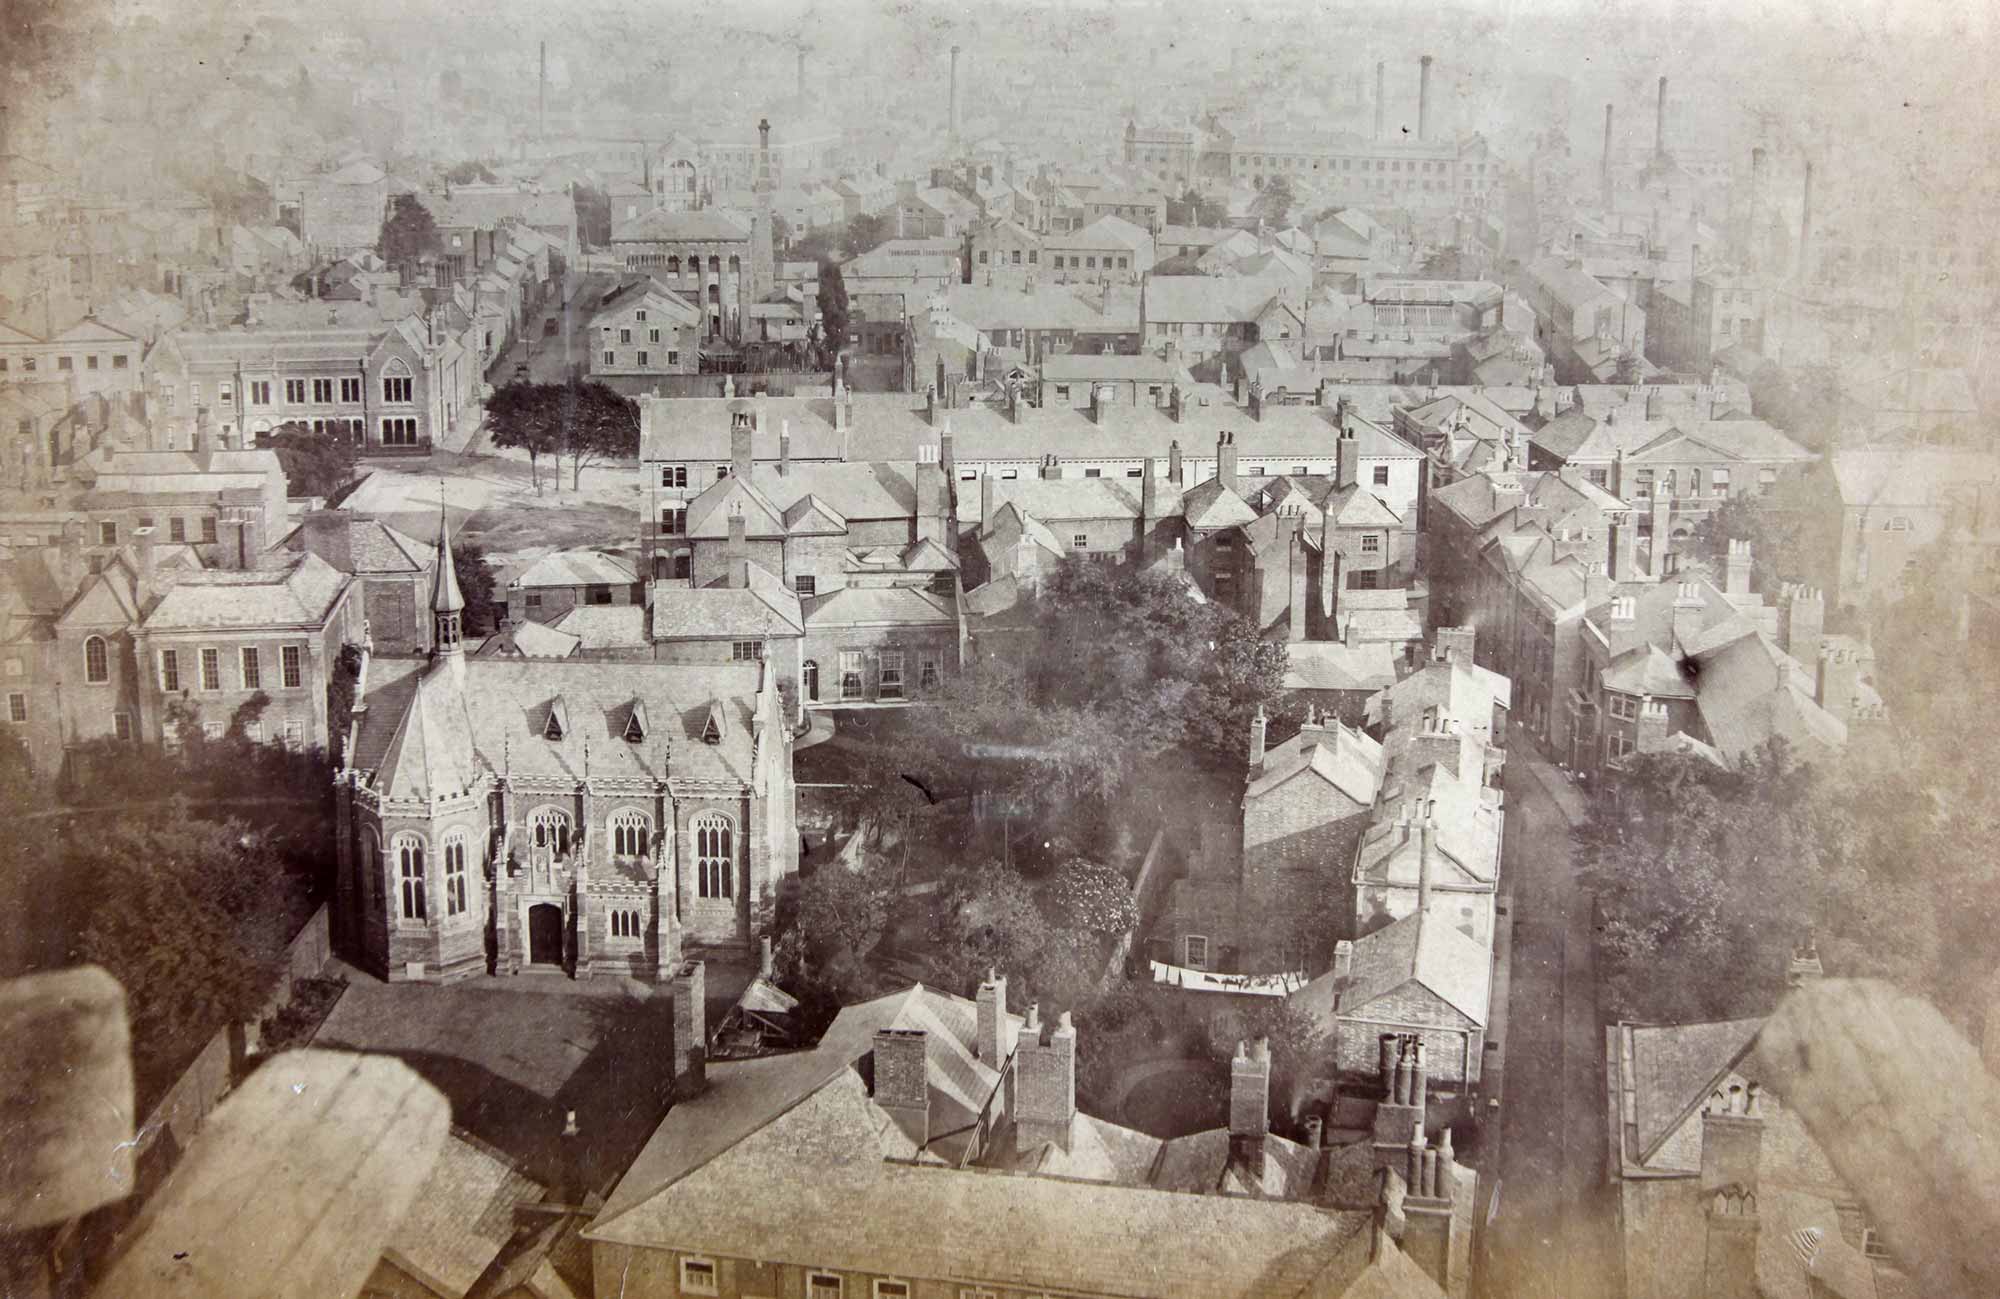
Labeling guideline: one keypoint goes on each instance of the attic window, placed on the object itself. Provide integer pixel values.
(635, 722)
(712, 726)
(557, 724)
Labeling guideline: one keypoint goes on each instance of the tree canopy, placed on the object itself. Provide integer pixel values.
(1197, 209)
(409, 232)
(584, 421)
(315, 463)
(833, 318)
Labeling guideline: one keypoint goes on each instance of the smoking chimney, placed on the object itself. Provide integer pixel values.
(542, 100)
(1753, 233)
(1424, 100)
(1381, 96)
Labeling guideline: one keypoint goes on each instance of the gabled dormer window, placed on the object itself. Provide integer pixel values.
(558, 723)
(712, 727)
(635, 722)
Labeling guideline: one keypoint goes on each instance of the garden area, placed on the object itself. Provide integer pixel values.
(1001, 824)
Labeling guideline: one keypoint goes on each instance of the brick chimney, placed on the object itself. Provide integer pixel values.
(1650, 732)
(1347, 451)
(690, 1030)
(930, 495)
(742, 429)
(1801, 622)
(1456, 644)
(992, 1044)
(1402, 1105)
(1225, 459)
(1250, 1107)
(1174, 463)
(1424, 100)
(739, 550)
(1663, 537)
(784, 447)
(902, 1080)
(1051, 468)
(1732, 1137)
(1429, 1200)
(1837, 681)
(1101, 402)
(1176, 402)
(69, 556)
(1044, 1083)
(931, 403)
(149, 576)
(1149, 506)
(1256, 402)
(325, 533)
(1688, 608)
(1729, 1262)
(1625, 550)
(843, 406)
(1805, 965)
(1735, 568)
(1259, 725)
(1295, 627)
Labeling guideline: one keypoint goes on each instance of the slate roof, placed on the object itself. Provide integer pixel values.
(373, 547)
(301, 594)
(704, 1182)
(581, 566)
(531, 640)
(1346, 758)
(1212, 298)
(462, 1219)
(1425, 950)
(896, 606)
(1211, 504)
(708, 225)
(1751, 691)
(1057, 500)
(1330, 665)
(854, 490)
(604, 626)
(423, 733)
(764, 608)
(1912, 476)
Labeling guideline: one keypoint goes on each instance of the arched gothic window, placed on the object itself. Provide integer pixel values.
(409, 853)
(455, 901)
(96, 661)
(630, 832)
(550, 826)
(714, 855)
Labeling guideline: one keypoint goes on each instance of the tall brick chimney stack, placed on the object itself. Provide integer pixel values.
(1381, 96)
(902, 1080)
(1660, 123)
(1044, 1083)
(690, 1030)
(1424, 100)
(1604, 173)
(1429, 1202)
(1250, 1107)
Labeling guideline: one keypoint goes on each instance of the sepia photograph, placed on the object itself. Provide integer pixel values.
(1048, 649)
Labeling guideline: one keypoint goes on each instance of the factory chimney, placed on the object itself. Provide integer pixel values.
(954, 95)
(802, 74)
(1605, 181)
(542, 103)
(1381, 95)
(1753, 234)
(1424, 101)
(1660, 123)
(1805, 228)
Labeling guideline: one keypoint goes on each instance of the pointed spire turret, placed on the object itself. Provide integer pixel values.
(447, 601)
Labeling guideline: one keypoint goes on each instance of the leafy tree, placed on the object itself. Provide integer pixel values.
(471, 172)
(1794, 535)
(1196, 209)
(598, 424)
(865, 232)
(781, 235)
(191, 916)
(842, 912)
(1299, 1043)
(523, 417)
(593, 216)
(1278, 199)
(1092, 898)
(1449, 264)
(986, 918)
(475, 583)
(409, 232)
(316, 464)
(832, 309)
(1627, 369)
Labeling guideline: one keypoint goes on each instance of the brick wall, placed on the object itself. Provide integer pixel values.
(1448, 1040)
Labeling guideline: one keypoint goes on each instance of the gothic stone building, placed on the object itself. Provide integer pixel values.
(589, 817)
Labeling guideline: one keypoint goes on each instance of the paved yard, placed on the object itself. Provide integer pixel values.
(514, 1055)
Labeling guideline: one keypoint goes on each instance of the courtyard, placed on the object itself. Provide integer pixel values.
(515, 1055)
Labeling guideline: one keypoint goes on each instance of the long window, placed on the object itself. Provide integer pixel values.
(629, 833)
(454, 874)
(714, 855)
(930, 670)
(891, 684)
(350, 390)
(550, 826)
(627, 924)
(170, 670)
(396, 389)
(211, 669)
(322, 391)
(288, 660)
(96, 661)
(399, 432)
(851, 684)
(17, 707)
(410, 867)
(295, 392)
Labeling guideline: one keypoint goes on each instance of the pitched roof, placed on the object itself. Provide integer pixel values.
(869, 606)
(1427, 950)
(580, 566)
(424, 732)
(531, 640)
(462, 1219)
(300, 594)
(707, 225)
(1330, 665)
(766, 607)
(1751, 691)
(1211, 504)
(373, 547)
(1344, 757)
(1212, 298)
(604, 626)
